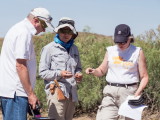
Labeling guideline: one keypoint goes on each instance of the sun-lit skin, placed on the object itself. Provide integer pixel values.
(39, 27)
(65, 37)
(124, 46)
(37, 24)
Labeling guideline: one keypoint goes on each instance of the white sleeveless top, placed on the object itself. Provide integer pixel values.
(123, 65)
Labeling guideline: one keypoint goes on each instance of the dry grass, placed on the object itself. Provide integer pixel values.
(1, 39)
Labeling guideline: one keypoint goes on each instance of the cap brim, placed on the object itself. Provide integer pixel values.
(49, 25)
(120, 39)
(66, 25)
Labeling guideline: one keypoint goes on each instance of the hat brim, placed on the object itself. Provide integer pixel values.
(66, 25)
(49, 25)
(120, 39)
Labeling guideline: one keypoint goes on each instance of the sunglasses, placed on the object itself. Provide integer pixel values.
(47, 19)
(121, 43)
(43, 24)
(71, 22)
(66, 31)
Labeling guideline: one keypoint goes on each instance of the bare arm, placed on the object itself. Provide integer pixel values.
(143, 73)
(21, 66)
(101, 70)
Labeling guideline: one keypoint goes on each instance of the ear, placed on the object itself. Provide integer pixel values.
(36, 20)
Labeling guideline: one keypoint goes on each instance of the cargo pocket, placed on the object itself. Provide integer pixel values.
(132, 89)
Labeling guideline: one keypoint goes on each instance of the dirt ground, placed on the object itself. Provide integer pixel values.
(0, 115)
(155, 116)
(145, 116)
(84, 117)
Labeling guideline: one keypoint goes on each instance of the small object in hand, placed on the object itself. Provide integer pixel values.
(136, 101)
(90, 70)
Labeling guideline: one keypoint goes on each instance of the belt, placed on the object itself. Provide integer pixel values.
(121, 85)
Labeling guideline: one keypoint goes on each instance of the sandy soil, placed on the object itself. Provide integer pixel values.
(0, 115)
(84, 118)
(146, 116)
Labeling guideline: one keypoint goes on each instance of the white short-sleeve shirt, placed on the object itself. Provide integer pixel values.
(17, 44)
(123, 65)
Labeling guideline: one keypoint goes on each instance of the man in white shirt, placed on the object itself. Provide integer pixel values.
(18, 65)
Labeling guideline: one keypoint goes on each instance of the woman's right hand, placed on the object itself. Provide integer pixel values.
(90, 71)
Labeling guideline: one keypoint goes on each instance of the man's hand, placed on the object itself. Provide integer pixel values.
(33, 100)
(22, 70)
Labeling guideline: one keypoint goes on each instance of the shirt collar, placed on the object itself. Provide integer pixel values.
(30, 26)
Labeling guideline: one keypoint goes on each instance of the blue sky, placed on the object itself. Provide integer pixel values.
(102, 16)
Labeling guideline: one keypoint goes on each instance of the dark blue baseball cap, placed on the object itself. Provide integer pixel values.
(121, 34)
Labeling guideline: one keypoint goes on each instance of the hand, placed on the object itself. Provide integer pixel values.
(90, 71)
(78, 77)
(33, 100)
(66, 74)
(137, 93)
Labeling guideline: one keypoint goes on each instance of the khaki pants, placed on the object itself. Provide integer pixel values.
(113, 98)
(60, 110)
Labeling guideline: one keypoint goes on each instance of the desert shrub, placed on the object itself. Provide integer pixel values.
(40, 42)
(1, 41)
(92, 48)
(150, 43)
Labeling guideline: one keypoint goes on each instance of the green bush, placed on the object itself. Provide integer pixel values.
(40, 42)
(92, 48)
(150, 43)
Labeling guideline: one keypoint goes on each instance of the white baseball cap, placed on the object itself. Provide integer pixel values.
(44, 15)
(66, 22)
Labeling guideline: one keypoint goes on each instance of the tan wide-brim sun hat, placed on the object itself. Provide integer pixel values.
(66, 22)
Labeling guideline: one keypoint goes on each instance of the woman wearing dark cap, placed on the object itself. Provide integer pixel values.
(60, 61)
(125, 65)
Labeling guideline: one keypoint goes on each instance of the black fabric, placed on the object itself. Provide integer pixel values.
(75, 35)
(71, 22)
(121, 34)
(33, 112)
(137, 102)
(43, 118)
(121, 85)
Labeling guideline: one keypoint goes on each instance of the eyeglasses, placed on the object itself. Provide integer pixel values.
(121, 43)
(44, 25)
(47, 19)
(66, 31)
(71, 22)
